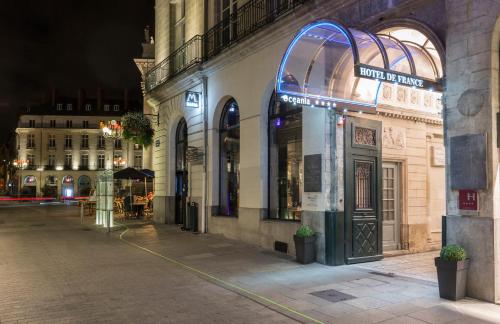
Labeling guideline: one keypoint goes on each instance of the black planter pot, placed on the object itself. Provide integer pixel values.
(452, 278)
(305, 249)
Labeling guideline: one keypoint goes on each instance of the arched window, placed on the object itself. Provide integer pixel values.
(181, 176)
(84, 185)
(181, 146)
(285, 160)
(67, 187)
(229, 165)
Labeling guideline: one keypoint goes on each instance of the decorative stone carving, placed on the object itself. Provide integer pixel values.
(394, 137)
(470, 102)
(387, 92)
(401, 94)
(365, 136)
(427, 100)
(414, 97)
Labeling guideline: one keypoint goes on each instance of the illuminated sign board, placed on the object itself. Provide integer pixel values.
(192, 99)
(375, 73)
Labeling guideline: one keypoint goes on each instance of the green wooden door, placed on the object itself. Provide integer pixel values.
(363, 183)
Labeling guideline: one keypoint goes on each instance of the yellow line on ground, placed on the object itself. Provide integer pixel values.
(221, 281)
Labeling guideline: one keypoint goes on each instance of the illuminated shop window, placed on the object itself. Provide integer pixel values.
(285, 161)
(229, 159)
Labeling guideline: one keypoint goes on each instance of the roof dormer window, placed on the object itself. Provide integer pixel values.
(69, 107)
(88, 107)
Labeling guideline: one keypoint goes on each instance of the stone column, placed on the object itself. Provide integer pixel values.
(316, 141)
(471, 105)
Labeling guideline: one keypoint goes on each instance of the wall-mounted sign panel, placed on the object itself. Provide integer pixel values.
(312, 173)
(192, 99)
(467, 199)
(375, 73)
(468, 162)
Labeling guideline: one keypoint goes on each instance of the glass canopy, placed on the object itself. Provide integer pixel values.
(320, 63)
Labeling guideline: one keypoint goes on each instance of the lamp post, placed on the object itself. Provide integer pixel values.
(113, 130)
(20, 165)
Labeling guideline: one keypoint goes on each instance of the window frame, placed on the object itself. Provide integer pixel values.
(101, 157)
(271, 116)
(222, 170)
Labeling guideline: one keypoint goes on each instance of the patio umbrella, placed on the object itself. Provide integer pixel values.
(130, 173)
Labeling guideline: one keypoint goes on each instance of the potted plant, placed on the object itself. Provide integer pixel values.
(452, 265)
(305, 247)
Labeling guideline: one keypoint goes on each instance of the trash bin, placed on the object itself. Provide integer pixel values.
(186, 220)
(193, 217)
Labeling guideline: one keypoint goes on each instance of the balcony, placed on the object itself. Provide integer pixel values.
(247, 20)
(84, 146)
(186, 56)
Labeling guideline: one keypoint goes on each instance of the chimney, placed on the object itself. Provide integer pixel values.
(81, 98)
(146, 34)
(99, 99)
(125, 99)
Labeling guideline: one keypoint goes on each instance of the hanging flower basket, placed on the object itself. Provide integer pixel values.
(137, 128)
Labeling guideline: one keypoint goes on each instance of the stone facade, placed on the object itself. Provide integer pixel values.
(246, 72)
(45, 124)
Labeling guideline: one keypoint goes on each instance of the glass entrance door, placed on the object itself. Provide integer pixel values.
(391, 219)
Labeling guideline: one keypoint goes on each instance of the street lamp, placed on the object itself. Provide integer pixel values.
(20, 165)
(112, 129)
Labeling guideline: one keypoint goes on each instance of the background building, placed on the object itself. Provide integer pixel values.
(60, 144)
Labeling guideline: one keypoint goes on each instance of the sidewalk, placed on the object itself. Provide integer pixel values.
(399, 289)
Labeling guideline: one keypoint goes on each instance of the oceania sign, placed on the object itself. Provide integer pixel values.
(374, 73)
(295, 100)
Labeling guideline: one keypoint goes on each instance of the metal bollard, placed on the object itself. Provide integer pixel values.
(81, 212)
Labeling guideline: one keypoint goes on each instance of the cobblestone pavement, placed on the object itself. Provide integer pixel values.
(419, 266)
(54, 270)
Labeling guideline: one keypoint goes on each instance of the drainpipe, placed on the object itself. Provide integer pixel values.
(205, 126)
(205, 155)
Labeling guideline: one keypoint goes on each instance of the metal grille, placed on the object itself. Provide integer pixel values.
(363, 185)
(388, 200)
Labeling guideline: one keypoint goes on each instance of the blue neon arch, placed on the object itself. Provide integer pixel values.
(321, 58)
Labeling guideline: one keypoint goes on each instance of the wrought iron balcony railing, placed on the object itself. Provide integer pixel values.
(247, 20)
(189, 54)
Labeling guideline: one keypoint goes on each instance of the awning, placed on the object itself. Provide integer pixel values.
(328, 64)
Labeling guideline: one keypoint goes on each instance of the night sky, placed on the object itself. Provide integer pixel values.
(67, 45)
